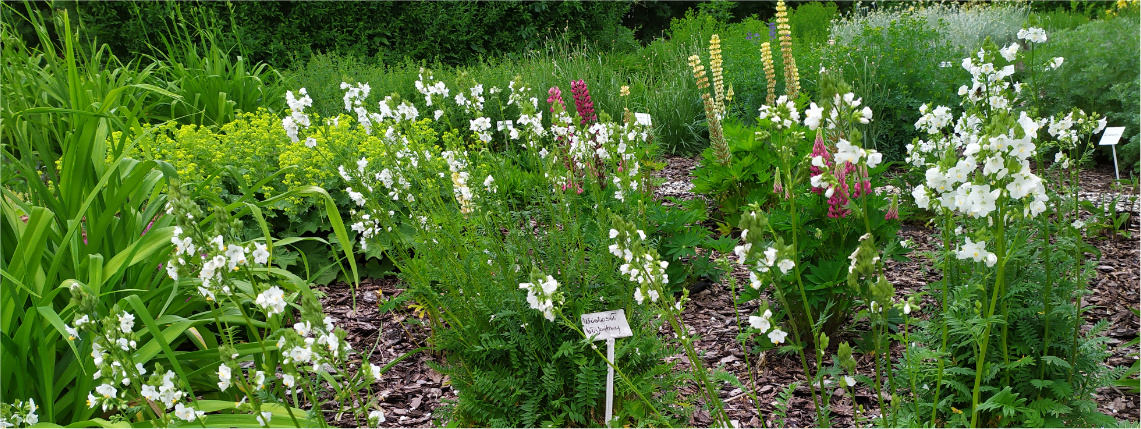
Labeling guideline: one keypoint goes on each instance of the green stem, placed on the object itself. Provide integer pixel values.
(1074, 180)
(752, 376)
(999, 281)
(1047, 299)
(946, 285)
(879, 377)
(803, 296)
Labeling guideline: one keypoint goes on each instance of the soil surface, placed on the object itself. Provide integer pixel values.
(411, 390)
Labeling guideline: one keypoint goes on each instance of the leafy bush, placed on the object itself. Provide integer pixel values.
(286, 34)
(893, 66)
(811, 21)
(72, 215)
(1099, 74)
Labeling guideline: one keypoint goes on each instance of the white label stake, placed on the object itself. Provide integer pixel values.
(609, 381)
(1110, 138)
(607, 325)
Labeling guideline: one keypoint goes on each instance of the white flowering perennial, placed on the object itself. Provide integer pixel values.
(766, 262)
(541, 294)
(113, 348)
(844, 109)
(19, 414)
(783, 114)
(428, 91)
(212, 262)
(763, 323)
(971, 171)
(599, 150)
(456, 165)
(297, 118)
(315, 346)
(1035, 35)
(641, 263)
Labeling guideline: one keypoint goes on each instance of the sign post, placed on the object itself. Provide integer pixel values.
(607, 325)
(1110, 138)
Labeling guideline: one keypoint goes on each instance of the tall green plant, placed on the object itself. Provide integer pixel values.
(77, 217)
(212, 85)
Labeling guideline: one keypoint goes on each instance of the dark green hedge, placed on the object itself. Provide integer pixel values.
(279, 33)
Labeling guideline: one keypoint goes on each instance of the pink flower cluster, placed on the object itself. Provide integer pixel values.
(556, 99)
(582, 102)
(841, 192)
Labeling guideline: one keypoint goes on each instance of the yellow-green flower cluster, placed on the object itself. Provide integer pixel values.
(714, 104)
(715, 68)
(256, 146)
(770, 72)
(698, 71)
(791, 75)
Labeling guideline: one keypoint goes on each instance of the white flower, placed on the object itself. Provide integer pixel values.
(287, 380)
(785, 265)
(761, 323)
(357, 197)
(107, 390)
(489, 184)
(847, 152)
(260, 254)
(847, 381)
(303, 328)
(976, 252)
(264, 417)
(1056, 62)
(224, 375)
(300, 354)
(273, 300)
(1009, 52)
(237, 256)
(187, 413)
(777, 336)
(921, 198)
(375, 417)
(1078, 224)
(310, 142)
(126, 322)
(259, 380)
(874, 158)
(1036, 35)
(907, 307)
(149, 392)
(770, 256)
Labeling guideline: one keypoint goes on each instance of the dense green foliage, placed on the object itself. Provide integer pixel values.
(1100, 74)
(286, 34)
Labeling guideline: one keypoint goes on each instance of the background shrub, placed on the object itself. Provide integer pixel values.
(282, 33)
(1100, 73)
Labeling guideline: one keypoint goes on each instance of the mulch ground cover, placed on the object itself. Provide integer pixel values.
(411, 390)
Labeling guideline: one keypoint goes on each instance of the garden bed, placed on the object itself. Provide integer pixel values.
(412, 390)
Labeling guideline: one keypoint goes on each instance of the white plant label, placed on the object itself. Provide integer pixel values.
(1111, 136)
(606, 325)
